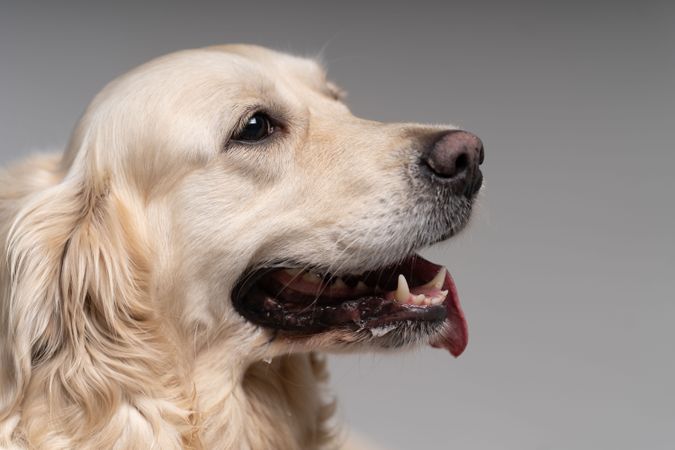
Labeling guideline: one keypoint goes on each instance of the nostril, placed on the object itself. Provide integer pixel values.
(461, 163)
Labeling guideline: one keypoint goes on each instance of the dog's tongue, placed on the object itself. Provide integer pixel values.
(456, 336)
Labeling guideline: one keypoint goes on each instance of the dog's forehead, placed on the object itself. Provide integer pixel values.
(235, 71)
(278, 65)
(277, 60)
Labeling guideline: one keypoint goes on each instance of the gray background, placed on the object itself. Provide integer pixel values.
(567, 272)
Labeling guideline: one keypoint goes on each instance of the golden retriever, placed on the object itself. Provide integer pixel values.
(218, 218)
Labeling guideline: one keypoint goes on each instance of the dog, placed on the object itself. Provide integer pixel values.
(218, 221)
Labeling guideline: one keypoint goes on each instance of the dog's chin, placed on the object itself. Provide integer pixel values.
(411, 302)
(403, 335)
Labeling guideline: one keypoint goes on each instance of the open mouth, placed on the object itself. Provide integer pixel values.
(308, 301)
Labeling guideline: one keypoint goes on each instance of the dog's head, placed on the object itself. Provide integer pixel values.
(296, 220)
(230, 190)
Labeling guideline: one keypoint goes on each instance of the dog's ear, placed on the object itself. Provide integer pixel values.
(76, 306)
(30, 308)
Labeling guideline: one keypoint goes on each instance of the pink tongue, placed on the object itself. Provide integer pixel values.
(456, 337)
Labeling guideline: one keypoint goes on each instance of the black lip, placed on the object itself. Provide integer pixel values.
(364, 312)
(261, 305)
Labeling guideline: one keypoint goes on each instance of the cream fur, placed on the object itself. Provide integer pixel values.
(116, 327)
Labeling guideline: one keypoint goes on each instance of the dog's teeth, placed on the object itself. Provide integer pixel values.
(438, 299)
(419, 299)
(340, 284)
(402, 290)
(361, 287)
(438, 280)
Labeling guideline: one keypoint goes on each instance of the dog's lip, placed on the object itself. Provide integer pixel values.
(267, 298)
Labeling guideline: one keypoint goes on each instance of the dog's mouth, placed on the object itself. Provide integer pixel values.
(303, 302)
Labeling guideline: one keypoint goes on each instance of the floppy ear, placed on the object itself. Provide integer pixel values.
(30, 319)
(77, 307)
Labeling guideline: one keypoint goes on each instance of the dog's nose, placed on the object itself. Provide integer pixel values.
(454, 158)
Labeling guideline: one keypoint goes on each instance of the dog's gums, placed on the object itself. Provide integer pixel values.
(301, 302)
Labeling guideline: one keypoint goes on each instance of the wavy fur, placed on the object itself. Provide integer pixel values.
(118, 258)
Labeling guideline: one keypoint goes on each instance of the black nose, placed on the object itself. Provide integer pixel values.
(454, 159)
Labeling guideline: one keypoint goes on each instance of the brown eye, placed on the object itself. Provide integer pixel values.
(258, 127)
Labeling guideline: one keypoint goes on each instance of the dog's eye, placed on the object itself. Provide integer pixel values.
(257, 128)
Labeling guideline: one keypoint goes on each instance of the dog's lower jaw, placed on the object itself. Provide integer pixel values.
(275, 404)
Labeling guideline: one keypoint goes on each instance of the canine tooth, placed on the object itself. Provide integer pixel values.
(361, 287)
(438, 280)
(402, 290)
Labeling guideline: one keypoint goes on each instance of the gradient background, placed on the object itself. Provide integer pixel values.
(567, 273)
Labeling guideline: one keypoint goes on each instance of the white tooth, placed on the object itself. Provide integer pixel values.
(438, 299)
(402, 290)
(438, 280)
(361, 287)
(340, 284)
(419, 299)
